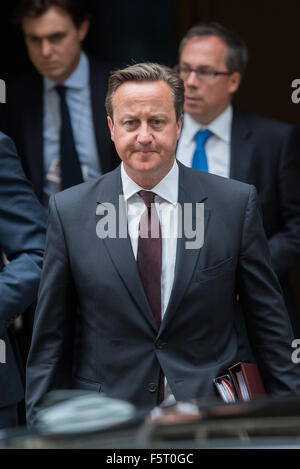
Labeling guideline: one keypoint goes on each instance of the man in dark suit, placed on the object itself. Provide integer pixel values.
(241, 145)
(155, 314)
(22, 239)
(54, 31)
(33, 116)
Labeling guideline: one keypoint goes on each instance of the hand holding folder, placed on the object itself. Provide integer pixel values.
(242, 383)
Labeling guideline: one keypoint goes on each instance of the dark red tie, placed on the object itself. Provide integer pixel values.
(149, 254)
(149, 259)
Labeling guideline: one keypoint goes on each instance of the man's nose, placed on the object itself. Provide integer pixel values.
(192, 80)
(46, 48)
(144, 135)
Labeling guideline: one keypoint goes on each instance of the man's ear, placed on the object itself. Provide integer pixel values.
(234, 82)
(111, 127)
(179, 126)
(83, 29)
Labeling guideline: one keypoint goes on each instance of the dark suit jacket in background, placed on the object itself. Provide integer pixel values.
(22, 239)
(22, 119)
(117, 353)
(266, 153)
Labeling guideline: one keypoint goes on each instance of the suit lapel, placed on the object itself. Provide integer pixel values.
(108, 158)
(33, 135)
(241, 148)
(120, 249)
(186, 259)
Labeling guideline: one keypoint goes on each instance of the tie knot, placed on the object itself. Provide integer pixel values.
(61, 90)
(201, 137)
(148, 197)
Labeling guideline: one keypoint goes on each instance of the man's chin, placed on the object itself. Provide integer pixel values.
(145, 155)
(145, 159)
(143, 167)
(52, 74)
(196, 112)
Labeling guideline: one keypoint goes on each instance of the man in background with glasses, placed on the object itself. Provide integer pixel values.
(221, 140)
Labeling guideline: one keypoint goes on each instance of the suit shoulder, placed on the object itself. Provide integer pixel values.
(70, 197)
(8, 155)
(230, 187)
(78, 196)
(264, 124)
(6, 141)
(213, 184)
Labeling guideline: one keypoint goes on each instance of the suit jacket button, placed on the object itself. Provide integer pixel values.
(152, 387)
(160, 344)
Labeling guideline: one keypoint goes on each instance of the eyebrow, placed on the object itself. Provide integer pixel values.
(200, 66)
(152, 116)
(50, 36)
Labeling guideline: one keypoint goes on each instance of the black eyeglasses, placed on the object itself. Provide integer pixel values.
(202, 74)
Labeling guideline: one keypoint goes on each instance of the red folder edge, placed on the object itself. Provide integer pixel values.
(252, 379)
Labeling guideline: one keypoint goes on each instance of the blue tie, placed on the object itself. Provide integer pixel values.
(199, 158)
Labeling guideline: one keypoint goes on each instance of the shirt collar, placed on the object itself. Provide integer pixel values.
(221, 126)
(166, 189)
(79, 79)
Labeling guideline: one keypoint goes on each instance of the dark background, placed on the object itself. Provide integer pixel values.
(126, 31)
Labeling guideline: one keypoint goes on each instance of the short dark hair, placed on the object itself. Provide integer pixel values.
(76, 9)
(237, 56)
(146, 72)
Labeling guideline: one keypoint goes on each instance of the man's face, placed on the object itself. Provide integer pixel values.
(144, 130)
(205, 100)
(54, 43)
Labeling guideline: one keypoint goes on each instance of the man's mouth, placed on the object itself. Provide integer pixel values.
(144, 152)
(50, 64)
(192, 98)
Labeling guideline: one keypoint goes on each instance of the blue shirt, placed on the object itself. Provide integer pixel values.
(78, 98)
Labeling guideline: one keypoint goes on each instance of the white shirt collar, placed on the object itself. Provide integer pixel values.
(166, 189)
(221, 126)
(78, 80)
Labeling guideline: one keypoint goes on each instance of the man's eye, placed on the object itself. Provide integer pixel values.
(129, 124)
(57, 37)
(157, 122)
(205, 71)
(34, 40)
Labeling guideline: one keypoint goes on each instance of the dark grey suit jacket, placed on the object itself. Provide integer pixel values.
(266, 153)
(22, 239)
(94, 284)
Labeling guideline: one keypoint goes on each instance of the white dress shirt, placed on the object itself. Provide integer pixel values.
(217, 147)
(166, 203)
